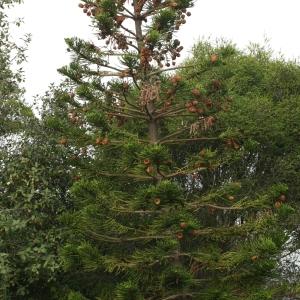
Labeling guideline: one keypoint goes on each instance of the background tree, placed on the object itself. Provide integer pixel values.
(12, 109)
(263, 114)
(265, 107)
(262, 117)
(33, 184)
(146, 224)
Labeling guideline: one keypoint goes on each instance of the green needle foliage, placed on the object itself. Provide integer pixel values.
(145, 223)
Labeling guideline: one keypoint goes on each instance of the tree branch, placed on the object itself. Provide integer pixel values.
(173, 134)
(126, 100)
(141, 177)
(126, 108)
(185, 172)
(140, 212)
(179, 296)
(110, 239)
(135, 82)
(98, 62)
(119, 111)
(170, 69)
(198, 206)
(128, 11)
(177, 141)
(169, 112)
(128, 30)
(127, 115)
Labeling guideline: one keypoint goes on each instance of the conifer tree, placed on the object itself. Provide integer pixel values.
(143, 225)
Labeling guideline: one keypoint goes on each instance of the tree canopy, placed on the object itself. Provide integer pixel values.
(148, 179)
(12, 109)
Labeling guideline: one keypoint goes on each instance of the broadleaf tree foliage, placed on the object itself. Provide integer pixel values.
(12, 109)
(145, 222)
(263, 119)
(33, 183)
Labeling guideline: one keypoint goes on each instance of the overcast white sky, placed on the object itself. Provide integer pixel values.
(242, 21)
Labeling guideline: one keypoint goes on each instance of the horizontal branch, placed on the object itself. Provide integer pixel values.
(129, 16)
(198, 206)
(112, 53)
(170, 69)
(173, 134)
(140, 212)
(116, 111)
(127, 115)
(111, 239)
(185, 172)
(122, 74)
(125, 175)
(178, 115)
(166, 113)
(178, 141)
(154, 11)
(110, 74)
(140, 112)
(125, 100)
(98, 62)
(180, 296)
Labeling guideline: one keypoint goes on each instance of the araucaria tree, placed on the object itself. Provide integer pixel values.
(144, 226)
